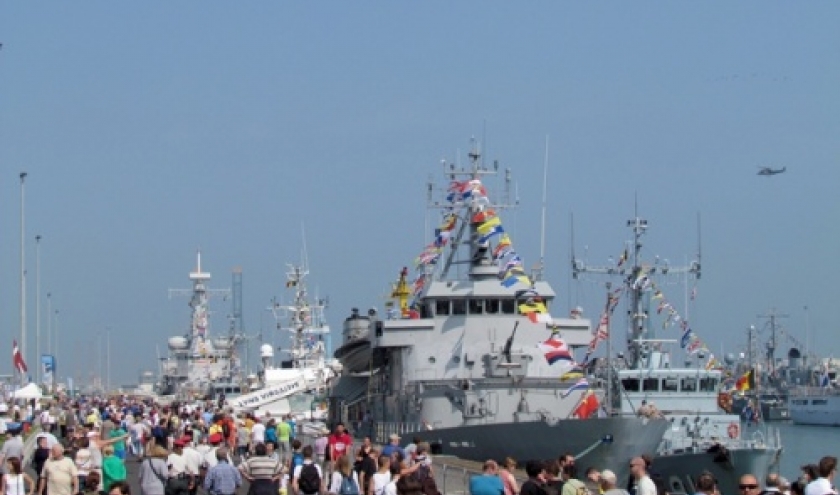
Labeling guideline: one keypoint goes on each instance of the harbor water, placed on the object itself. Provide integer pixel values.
(806, 444)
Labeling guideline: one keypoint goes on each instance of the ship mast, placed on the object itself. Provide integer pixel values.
(637, 283)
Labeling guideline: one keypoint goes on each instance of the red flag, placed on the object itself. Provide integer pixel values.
(17, 358)
(588, 406)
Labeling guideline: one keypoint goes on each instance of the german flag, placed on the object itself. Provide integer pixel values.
(746, 382)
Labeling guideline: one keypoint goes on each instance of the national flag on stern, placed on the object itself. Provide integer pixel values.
(581, 384)
(588, 406)
(746, 382)
(555, 350)
(17, 358)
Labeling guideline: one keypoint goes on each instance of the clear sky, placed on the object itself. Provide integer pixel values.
(152, 129)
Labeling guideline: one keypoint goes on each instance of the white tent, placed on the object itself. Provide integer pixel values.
(30, 391)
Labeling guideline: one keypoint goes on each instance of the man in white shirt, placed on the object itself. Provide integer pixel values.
(179, 481)
(644, 485)
(192, 460)
(257, 434)
(824, 485)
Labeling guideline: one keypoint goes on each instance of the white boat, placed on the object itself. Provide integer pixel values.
(299, 384)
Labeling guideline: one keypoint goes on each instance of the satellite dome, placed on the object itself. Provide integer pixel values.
(729, 359)
(266, 351)
(178, 343)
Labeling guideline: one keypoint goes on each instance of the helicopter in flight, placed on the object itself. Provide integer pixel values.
(767, 171)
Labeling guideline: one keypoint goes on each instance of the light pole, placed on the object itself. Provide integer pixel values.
(22, 269)
(55, 371)
(49, 323)
(38, 305)
(108, 360)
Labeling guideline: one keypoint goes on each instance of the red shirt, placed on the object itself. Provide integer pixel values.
(340, 445)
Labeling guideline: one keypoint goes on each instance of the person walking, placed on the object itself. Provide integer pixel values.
(488, 482)
(262, 472)
(222, 479)
(154, 471)
(59, 476)
(508, 479)
(344, 480)
(113, 468)
(15, 481)
(308, 479)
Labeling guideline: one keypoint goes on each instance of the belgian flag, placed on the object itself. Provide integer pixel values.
(746, 382)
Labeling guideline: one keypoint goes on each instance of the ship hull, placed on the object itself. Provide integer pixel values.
(680, 469)
(601, 442)
(819, 410)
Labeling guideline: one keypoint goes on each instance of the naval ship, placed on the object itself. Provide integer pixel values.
(469, 357)
(197, 365)
(701, 436)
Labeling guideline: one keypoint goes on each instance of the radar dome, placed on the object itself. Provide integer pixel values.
(729, 359)
(266, 351)
(178, 343)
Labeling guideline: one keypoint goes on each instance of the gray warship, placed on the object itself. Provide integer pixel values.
(468, 357)
(702, 435)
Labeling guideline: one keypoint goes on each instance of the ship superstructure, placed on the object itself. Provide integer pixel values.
(198, 365)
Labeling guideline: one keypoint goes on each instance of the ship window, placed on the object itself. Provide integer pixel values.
(630, 384)
(508, 306)
(491, 306)
(459, 307)
(476, 306)
(708, 384)
(689, 385)
(670, 384)
(442, 307)
(650, 385)
(800, 402)
(425, 311)
(819, 402)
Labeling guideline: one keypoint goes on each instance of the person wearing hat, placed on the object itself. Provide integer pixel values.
(393, 446)
(179, 481)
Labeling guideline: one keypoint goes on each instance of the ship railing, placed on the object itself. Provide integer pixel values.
(811, 391)
(382, 431)
(452, 475)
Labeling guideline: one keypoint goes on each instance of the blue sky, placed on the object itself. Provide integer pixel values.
(150, 130)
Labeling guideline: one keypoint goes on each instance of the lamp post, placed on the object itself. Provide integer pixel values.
(55, 371)
(38, 305)
(49, 323)
(22, 269)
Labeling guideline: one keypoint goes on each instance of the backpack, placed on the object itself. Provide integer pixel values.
(348, 486)
(309, 480)
(427, 481)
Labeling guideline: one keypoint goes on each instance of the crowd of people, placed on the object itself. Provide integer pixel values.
(83, 447)
(560, 477)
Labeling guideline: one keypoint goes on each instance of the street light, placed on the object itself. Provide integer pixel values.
(38, 305)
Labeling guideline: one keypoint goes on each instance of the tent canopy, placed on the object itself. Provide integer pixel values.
(30, 391)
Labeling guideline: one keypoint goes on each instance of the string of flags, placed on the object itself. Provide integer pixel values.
(488, 228)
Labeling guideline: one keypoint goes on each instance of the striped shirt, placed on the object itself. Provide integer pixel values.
(261, 467)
